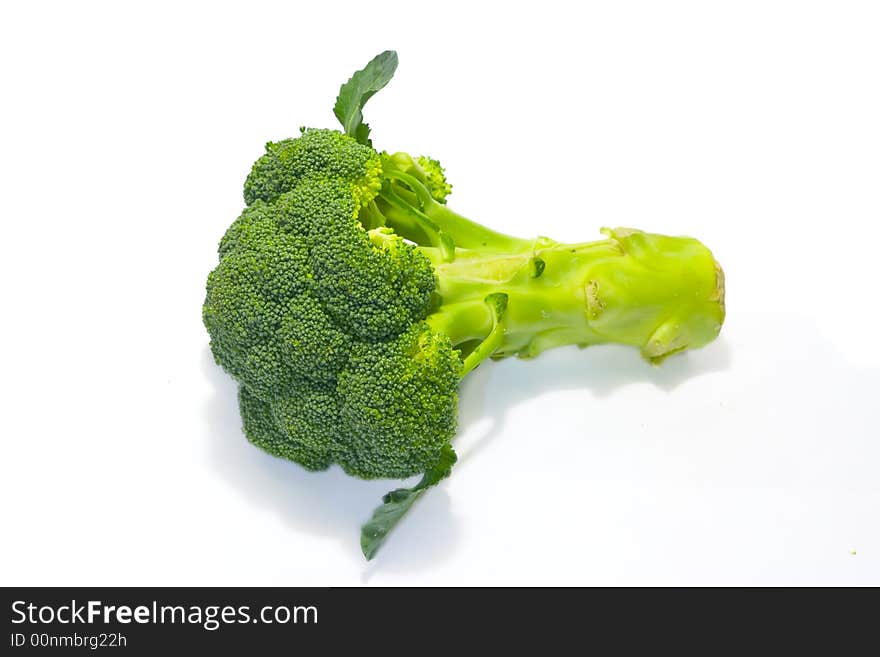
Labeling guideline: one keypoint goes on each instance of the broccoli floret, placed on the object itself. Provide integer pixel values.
(374, 290)
(300, 427)
(316, 155)
(350, 301)
(427, 171)
(312, 344)
(398, 402)
(249, 295)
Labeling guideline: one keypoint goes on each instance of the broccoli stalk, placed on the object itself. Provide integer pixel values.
(498, 296)
(658, 293)
(412, 201)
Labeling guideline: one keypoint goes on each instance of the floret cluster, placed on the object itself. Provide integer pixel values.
(319, 320)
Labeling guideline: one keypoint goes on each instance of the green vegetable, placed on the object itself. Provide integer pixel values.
(350, 300)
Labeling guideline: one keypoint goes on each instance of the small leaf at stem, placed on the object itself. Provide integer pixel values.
(398, 502)
(355, 93)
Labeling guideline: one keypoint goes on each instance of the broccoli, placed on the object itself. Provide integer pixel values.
(350, 301)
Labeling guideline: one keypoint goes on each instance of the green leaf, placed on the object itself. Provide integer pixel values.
(398, 502)
(355, 93)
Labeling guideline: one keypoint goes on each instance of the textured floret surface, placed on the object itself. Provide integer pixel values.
(322, 327)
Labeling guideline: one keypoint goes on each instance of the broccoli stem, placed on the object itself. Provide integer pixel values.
(497, 305)
(469, 234)
(660, 294)
(407, 206)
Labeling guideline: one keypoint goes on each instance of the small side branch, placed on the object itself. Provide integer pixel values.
(497, 303)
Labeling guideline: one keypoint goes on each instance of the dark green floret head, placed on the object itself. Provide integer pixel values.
(316, 318)
(249, 294)
(398, 401)
(316, 155)
(375, 288)
(300, 427)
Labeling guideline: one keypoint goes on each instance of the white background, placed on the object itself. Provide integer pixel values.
(127, 130)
